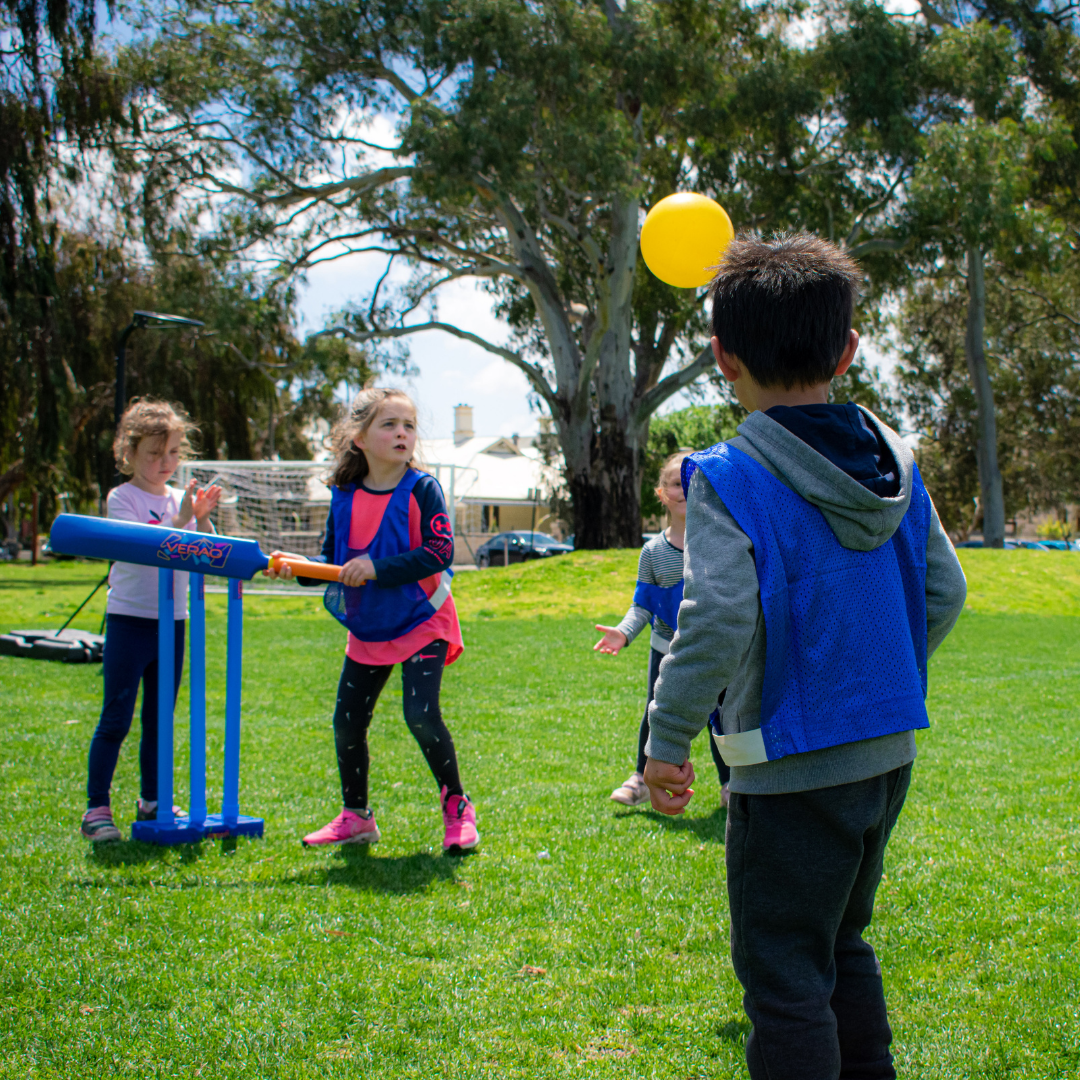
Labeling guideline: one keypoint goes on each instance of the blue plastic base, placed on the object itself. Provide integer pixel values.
(178, 831)
(181, 831)
(215, 825)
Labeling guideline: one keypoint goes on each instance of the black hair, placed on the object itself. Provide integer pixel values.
(783, 306)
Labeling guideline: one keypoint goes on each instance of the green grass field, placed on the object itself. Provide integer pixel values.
(584, 940)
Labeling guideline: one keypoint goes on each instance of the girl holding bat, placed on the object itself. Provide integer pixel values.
(389, 531)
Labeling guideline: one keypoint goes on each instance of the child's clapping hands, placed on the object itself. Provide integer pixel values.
(198, 503)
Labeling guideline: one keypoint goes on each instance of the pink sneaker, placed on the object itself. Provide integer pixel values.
(459, 819)
(346, 828)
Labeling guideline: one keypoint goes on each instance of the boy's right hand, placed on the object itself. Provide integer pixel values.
(285, 573)
(669, 785)
(612, 641)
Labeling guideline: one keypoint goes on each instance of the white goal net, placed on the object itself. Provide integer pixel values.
(281, 504)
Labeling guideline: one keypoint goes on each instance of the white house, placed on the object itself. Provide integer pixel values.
(495, 483)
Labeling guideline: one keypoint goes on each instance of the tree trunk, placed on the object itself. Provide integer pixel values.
(993, 499)
(607, 494)
(604, 454)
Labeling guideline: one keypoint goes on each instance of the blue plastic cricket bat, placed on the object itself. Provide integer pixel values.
(178, 549)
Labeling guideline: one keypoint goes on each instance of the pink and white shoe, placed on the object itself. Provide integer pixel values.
(346, 828)
(98, 826)
(459, 821)
(147, 811)
(632, 791)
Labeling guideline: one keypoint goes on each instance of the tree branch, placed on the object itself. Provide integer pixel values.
(877, 204)
(356, 184)
(533, 373)
(649, 402)
(869, 246)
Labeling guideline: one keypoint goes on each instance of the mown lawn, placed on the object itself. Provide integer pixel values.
(584, 940)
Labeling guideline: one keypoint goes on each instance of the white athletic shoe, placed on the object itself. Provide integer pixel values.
(633, 792)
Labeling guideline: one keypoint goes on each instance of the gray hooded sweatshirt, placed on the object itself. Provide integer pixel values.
(720, 641)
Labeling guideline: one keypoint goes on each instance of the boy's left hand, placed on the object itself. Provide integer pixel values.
(357, 571)
(669, 785)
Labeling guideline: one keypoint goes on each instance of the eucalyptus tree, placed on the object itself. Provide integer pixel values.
(1034, 336)
(249, 384)
(517, 144)
(57, 99)
(970, 202)
(512, 143)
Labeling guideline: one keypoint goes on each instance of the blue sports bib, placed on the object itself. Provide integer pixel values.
(845, 630)
(660, 602)
(370, 612)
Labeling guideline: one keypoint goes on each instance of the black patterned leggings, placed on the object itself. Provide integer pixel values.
(358, 691)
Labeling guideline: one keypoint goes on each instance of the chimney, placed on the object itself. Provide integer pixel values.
(463, 429)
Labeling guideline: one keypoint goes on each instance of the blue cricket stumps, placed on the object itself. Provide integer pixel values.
(199, 554)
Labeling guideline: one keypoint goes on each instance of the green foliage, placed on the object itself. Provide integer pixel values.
(970, 189)
(696, 427)
(527, 139)
(1054, 529)
(287, 963)
(1031, 347)
(57, 102)
(245, 379)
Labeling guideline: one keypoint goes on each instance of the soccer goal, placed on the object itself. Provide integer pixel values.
(281, 504)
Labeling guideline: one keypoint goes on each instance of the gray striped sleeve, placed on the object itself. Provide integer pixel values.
(660, 563)
(637, 618)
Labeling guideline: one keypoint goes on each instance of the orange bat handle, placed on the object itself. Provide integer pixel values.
(303, 568)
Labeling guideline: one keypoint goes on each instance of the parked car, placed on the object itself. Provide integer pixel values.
(518, 546)
(1031, 545)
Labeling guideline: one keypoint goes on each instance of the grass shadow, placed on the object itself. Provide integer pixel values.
(360, 868)
(734, 1032)
(709, 828)
(138, 853)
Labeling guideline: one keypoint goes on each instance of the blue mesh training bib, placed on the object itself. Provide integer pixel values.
(845, 630)
(659, 601)
(370, 612)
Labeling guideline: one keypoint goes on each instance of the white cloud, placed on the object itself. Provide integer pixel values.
(499, 376)
(452, 371)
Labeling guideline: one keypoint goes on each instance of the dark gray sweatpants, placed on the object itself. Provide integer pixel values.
(802, 871)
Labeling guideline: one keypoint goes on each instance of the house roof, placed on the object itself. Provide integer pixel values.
(491, 469)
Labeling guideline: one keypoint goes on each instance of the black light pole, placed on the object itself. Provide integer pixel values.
(140, 321)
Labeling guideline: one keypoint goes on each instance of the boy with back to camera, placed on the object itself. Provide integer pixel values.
(818, 580)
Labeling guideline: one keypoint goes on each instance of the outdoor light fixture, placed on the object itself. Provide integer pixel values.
(141, 321)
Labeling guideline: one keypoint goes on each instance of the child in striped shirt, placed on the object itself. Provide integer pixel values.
(656, 600)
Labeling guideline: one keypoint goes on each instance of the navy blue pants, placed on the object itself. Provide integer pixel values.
(723, 773)
(802, 873)
(130, 656)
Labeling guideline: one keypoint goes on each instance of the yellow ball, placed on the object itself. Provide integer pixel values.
(683, 238)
